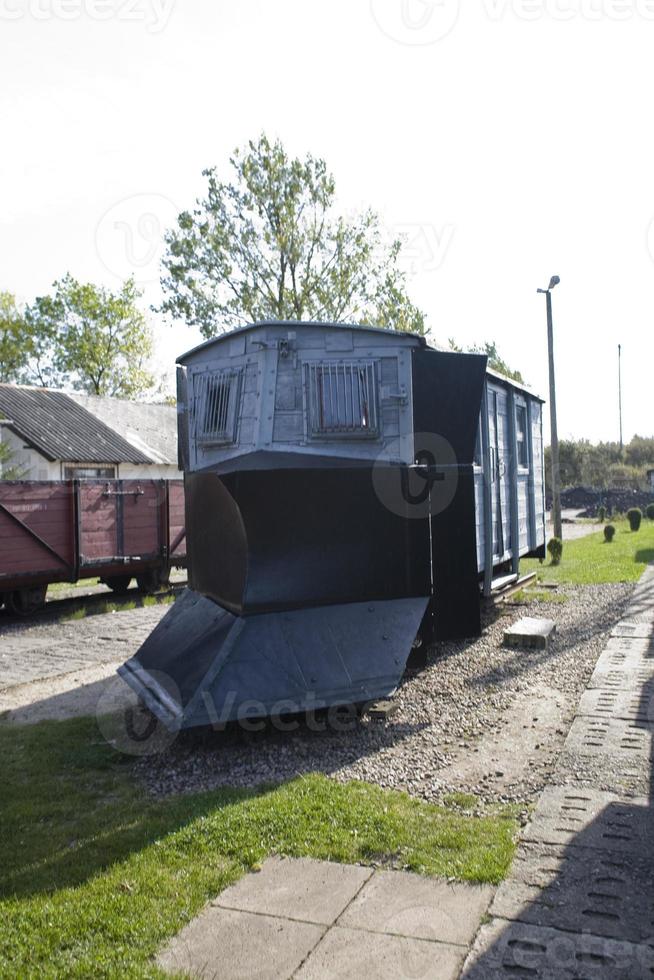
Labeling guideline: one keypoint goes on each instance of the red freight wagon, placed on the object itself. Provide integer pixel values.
(67, 530)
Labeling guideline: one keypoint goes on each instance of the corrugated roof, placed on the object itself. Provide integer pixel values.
(61, 429)
(149, 428)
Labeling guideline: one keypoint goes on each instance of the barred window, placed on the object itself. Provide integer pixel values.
(343, 399)
(215, 406)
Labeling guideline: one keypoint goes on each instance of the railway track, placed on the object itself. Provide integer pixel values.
(92, 602)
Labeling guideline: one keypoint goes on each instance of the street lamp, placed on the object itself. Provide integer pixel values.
(556, 472)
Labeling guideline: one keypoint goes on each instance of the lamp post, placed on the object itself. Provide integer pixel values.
(556, 472)
(620, 394)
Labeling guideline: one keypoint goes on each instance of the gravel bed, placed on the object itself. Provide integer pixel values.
(464, 702)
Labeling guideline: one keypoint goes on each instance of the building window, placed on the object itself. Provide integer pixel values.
(215, 406)
(521, 435)
(89, 473)
(343, 399)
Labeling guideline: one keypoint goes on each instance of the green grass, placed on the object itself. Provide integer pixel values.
(110, 607)
(73, 616)
(591, 560)
(537, 595)
(83, 583)
(94, 875)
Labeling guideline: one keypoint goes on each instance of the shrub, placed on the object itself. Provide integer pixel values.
(634, 516)
(609, 532)
(601, 513)
(650, 511)
(555, 548)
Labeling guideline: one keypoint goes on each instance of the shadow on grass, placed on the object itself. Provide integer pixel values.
(71, 809)
(645, 556)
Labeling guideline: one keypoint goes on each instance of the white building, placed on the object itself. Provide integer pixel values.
(54, 435)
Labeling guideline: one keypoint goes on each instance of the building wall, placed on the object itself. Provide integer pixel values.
(155, 471)
(34, 466)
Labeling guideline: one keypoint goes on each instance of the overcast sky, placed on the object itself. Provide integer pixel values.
(509, 141)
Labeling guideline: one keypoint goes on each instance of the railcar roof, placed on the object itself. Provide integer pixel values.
(293, 324)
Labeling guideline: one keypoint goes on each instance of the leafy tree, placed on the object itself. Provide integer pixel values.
(268, 245)
(91, 339)
(640, 452)
(8, 470)
(603, 465)
(495, 361)
(15, 339)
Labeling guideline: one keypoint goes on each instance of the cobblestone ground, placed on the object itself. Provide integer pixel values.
(30, 652)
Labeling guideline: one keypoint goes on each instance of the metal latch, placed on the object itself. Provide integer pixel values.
(399, 396)
(138, 492)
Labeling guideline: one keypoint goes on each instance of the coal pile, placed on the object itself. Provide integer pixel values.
(590, 499)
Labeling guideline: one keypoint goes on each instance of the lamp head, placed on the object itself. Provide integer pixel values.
(554, 281)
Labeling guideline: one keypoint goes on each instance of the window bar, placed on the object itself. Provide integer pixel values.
(351, 387)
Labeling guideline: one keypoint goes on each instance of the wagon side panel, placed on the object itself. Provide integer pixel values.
(140, 506)
(98, 531)
(36, 532)
(176, 522)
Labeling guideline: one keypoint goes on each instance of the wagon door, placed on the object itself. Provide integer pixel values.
(120, 522)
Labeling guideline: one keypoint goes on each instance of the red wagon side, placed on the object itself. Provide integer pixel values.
(68, 530)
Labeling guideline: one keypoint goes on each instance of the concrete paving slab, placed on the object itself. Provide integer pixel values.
(641, 607)
(297, 888)
(349, 954)
(406, 904)
(221, 944)
(619, 651)
(579, 890)
(631, 705)
(607, 677)
(530, 632)
(621, 738)
(504, 951)
(636, 630)
(589, 818)
(610, 754)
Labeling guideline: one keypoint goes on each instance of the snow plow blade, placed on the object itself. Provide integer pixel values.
(203, 665)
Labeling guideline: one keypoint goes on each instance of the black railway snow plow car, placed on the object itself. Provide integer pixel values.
(347, 489)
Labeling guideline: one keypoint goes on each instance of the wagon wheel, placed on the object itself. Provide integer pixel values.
(118, 583)
(24, 602)
(153, 579)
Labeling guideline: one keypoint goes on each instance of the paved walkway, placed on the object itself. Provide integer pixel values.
(579, 902)
(312, 919)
